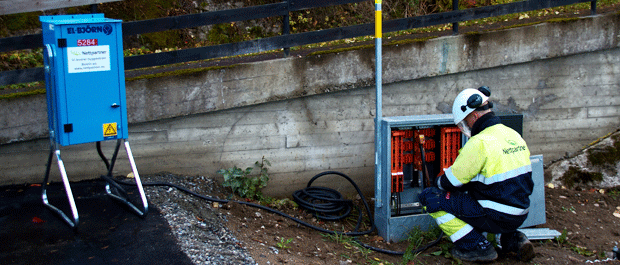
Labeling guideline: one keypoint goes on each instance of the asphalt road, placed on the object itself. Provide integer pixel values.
(107, 233)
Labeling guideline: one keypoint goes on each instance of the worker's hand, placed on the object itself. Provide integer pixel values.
(431, 198)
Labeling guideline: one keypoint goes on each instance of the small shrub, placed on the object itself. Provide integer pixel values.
(244, 185)
(562, 239)
(284, 243)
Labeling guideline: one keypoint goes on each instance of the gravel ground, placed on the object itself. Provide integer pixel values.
(199, 229)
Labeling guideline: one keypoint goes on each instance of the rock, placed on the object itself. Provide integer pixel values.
(580, 161)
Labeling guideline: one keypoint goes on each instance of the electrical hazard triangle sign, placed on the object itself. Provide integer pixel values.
(109, 129)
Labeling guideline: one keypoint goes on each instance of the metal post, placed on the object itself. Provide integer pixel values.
(455, 25)
(286, 28)
(593, 8)
(378, 81)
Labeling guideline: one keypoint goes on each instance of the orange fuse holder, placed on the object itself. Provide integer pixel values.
(450, 144)
(398, 159)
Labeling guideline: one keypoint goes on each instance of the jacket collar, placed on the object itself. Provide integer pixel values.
(486, 121)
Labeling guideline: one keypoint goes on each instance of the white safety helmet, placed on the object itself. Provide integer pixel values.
(466, 102)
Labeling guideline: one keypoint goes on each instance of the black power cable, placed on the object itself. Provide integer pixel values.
(354, 233)
(321, 200)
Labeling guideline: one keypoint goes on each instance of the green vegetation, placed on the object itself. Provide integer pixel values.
(182, 72)
(349, 243)
(418, 238)
(407, 41)
(23, 94)
(562, 241)
(563, 20)
(571, 209)
(341, 50)
(244, 185)
(284, 243)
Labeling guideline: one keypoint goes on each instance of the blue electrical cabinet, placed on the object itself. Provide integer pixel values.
(84, 74)
(85, 82)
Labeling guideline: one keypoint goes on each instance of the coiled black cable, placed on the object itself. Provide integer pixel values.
(319, 198)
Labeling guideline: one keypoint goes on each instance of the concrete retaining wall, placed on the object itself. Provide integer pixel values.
(312, 114)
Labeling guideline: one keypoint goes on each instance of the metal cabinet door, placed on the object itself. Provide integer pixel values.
(93, 83)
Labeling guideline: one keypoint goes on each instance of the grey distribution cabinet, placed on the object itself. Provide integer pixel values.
(397, 209)
(84, 74)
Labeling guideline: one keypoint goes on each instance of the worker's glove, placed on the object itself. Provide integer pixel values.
(435, 181)
(431, 198)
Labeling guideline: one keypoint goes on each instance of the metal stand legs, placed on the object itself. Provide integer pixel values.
(122, 197)
(73, 223)
(112, 188)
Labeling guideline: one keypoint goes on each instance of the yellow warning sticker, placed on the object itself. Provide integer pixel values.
(109, 129)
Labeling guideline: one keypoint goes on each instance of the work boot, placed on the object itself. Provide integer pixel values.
(483, 252)
(517, 243)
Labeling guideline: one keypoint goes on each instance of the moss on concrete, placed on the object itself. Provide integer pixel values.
(341, 50)
(520, 25)
(606, 157)
(601, 158)
(574, 175)
(563, 20)
(181, 72)
(22, 94)
(408, 41)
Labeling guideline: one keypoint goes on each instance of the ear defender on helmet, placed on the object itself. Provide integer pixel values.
(474, 101)
(485, 90)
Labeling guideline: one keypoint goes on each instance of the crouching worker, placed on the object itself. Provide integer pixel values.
(487, 188)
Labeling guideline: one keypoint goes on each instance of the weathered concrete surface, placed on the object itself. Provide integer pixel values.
(556, 171)
(311, 114)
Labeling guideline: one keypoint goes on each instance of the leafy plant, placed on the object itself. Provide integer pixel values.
(284, 243)
(571, 209)
(244, 185)
(562, 240)
(582, 251)
(279, 203)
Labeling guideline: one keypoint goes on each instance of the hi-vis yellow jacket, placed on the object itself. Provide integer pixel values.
(494, 167)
